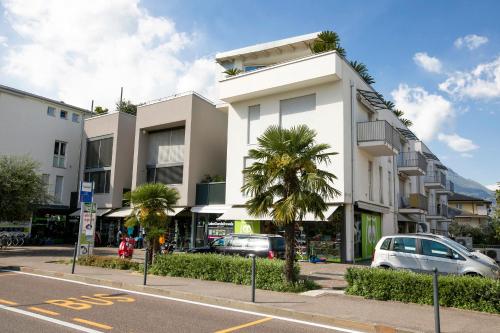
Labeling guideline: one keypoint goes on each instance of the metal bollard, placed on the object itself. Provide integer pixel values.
(145, 266)
(74, 258)
(437, 322)
(253, 276)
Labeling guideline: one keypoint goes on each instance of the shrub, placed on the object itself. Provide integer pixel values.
(232, 269)
(465, 292)
(107, 262)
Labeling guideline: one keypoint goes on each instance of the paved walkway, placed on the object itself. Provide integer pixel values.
(326, 307)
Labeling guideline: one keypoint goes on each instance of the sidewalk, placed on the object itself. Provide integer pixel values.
(328, 308)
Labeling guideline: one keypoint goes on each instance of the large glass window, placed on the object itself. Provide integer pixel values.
(99, 153)
(292, 110)
(59, 160)
(58, 191)
(405, 244)
(166, 147)
(101, 180)
(165, 175)
(51, 111)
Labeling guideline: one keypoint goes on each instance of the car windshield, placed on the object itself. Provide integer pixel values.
(456, 244)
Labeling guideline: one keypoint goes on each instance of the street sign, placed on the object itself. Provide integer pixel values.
(86, 191)
(87, 228)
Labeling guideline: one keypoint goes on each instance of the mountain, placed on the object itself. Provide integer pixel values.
(470, 187)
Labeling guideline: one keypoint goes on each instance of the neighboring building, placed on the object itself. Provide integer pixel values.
(469, 210)
(179, 141)
(50, 132)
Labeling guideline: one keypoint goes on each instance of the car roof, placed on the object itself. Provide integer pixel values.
(419, 235)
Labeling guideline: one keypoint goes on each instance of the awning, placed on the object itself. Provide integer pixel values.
(120, 212)
(176, 211)
(372, 207)
(100, 212)
(240, 213)
(210, 209)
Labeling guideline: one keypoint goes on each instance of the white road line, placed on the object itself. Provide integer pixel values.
(259, 314)
(52, 320)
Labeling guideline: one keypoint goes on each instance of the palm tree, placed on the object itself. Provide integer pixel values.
(150, 203)
(391, 106)
(232, 71)
(327, 41)
(286, 182)
(362, 71)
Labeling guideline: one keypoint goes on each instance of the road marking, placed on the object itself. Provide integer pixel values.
(259, 314)
(52, 320)
(51, 313)
(6, 302)
(92, 323)
(253, 323)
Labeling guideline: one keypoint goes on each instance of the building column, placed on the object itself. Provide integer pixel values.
(193, 230)
(348, 234)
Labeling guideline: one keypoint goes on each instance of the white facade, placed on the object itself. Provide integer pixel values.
(30, 125)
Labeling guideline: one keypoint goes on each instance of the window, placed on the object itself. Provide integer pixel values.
(253, 67)
(59, 154)
(386, 244)
(405, 244)
(292, 110)
(165, 175)
(370, 180)
(45, 181)
(253, 123)
(434, 249)
(51, 111)
(381, 185)
(58, 189)
(101, 180)
(459, 205)
(99, 153)
(75, 117)
(63, 114)
(166, 147)
(389, 177)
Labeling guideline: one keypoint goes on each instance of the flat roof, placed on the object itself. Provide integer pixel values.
(15, 91)
(174, 96)
(265, 46)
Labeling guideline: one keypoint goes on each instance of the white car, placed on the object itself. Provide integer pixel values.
(423, 253)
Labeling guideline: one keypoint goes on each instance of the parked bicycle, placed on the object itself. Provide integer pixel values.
(11, 239)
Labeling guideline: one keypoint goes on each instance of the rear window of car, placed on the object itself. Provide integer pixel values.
(277, 243)
(405, 244)
(386, 244)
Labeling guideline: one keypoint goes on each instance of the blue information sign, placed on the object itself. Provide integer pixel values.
(86, 192)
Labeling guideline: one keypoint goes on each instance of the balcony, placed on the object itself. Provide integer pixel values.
(295, 74)
(435, 180)
(412, 163)
(438, 211)
(415, 203)
(378, 138)
(210, 193)
(449, 188)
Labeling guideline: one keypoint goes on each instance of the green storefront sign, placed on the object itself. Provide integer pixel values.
(246, 227)
(371, 232)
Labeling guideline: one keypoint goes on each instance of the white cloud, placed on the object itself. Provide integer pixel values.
(467, 155)
(493, 187)
(457, 143)
(90, 49)
(470, 41)
(430, 64)
(200, 77)
(482, 82)
(428, 112)
(3, 41)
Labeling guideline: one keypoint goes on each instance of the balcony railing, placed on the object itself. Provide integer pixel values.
(414, 201)
(211, 193)
(438, 210)
(411, 162)
(435, 177)
(379, 137)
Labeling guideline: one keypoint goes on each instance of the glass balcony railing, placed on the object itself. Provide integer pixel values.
(211, 193)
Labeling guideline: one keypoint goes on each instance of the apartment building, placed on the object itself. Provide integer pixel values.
(380, 165)
(50, 132)
(181, 141)
(468, 210)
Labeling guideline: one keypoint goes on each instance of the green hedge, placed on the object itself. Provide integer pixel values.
(471, 293)
(232, 269)
(107, 262)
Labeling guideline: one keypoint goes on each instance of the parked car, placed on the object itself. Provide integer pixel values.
(264, 246)
(421, 253)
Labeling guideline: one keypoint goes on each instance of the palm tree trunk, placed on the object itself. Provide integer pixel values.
(290, 252)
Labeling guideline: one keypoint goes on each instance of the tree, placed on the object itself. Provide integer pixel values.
(100, 110)
(232, 71)
(362, 71)
(150, 204)
(21, 188)
(391, 106)
(286, 182)
(127, 107)
(327, 41)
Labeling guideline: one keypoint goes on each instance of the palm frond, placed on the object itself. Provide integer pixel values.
(362, 71)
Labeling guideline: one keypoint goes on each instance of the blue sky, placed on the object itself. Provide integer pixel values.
(439, 61)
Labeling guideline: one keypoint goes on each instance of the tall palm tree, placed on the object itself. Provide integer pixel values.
(286, 182)
(362, 71)
(327, 41)
(150, 203)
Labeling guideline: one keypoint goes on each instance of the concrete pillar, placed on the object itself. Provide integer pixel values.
(348, 237)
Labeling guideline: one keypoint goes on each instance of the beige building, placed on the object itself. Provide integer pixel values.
(469, 210)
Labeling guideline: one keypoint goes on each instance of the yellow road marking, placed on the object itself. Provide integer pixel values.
(52, 313)
(6, 302)
(92, 323)
(235, 328)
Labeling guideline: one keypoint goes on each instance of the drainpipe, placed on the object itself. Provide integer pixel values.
(352, 169)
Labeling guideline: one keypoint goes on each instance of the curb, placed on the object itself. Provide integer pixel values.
(241, 305)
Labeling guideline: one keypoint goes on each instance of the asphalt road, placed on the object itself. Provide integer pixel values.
(37, 304)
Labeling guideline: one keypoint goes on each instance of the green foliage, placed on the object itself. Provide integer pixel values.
(212, 179)
(471, 293)
(232, 71)
(327, 41)
(127, 107)
(362, 71)
(108, 262)
(233, 269)
(485, 233)
(21, 188)
(100, 110)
